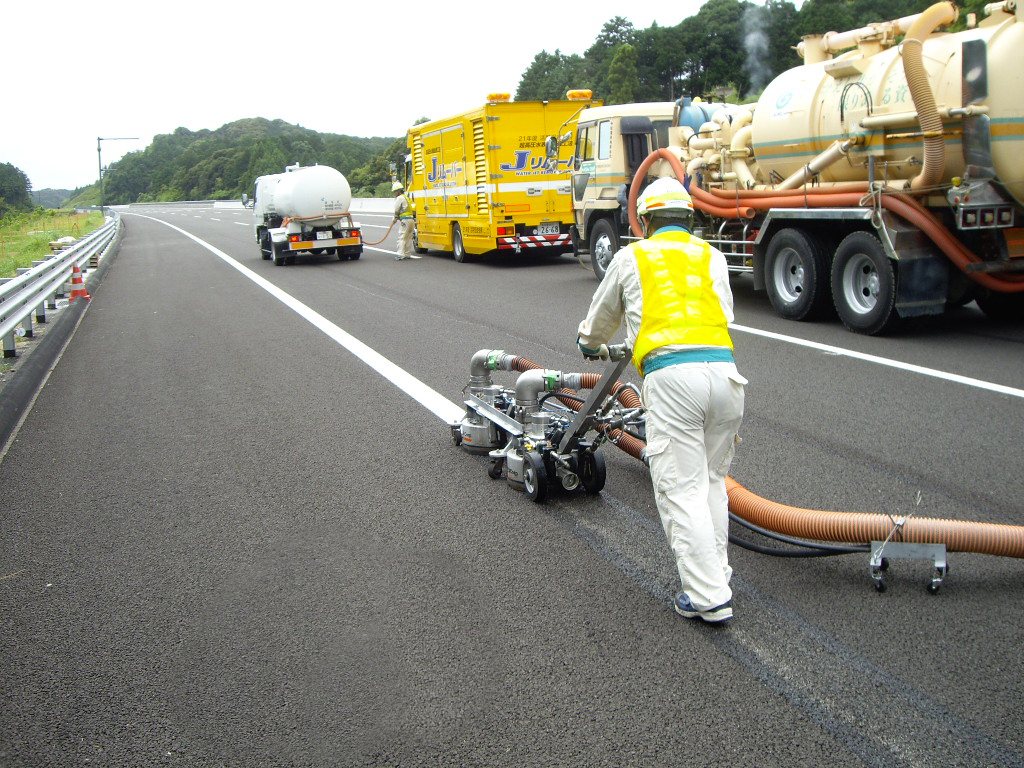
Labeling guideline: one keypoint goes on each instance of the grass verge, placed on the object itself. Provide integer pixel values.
(26, 237)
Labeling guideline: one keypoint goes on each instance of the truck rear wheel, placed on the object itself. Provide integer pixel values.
(280, 255)
(266, 246)
(864, 285)
(604, 244)
(796, 275)
(458, 247)
(1002, 306)
(416, 239)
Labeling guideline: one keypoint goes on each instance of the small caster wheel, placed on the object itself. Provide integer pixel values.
(494, 471)
(457, 436)
(879, 585)
(934, 587)
(884, 565)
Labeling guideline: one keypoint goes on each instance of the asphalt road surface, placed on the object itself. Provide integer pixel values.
(236, 532)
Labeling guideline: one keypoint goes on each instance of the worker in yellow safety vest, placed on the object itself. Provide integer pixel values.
(672, 289)
(404, 219)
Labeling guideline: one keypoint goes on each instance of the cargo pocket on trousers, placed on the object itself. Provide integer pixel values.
(663, 469)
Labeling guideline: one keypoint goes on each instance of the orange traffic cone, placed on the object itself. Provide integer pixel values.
(78, 286)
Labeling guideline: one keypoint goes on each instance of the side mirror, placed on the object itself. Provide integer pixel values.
(245, 200)
(551, 147)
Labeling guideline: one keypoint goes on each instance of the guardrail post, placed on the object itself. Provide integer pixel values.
(10, 348)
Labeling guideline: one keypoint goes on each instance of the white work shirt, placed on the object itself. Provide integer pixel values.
(621, 295)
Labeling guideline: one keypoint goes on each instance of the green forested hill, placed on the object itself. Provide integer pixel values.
(728, 50)
(222, 163)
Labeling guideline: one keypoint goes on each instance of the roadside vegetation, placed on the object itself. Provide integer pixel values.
(26, 236)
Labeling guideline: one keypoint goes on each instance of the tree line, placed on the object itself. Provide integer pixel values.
(223, 163)
(729, 50)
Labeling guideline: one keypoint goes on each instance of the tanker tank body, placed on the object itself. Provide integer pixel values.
(883, 178)
(305, 209)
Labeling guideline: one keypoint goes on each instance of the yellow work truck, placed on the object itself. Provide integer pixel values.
(481, 181)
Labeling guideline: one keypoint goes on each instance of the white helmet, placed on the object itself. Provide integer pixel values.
(397, 186)
(664, 195)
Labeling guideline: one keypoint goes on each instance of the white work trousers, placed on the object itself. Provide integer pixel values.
(405, 237)
(694, 412)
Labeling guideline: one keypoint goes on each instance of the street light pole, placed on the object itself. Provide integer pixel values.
(99, 157)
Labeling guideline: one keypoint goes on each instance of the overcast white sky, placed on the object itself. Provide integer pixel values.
(79, 70)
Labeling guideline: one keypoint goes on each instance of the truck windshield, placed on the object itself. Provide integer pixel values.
(661, 133)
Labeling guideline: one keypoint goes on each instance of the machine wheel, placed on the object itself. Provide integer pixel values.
(796, 275)
(266, 246)
(591, 471)
(280, 255)
(604, 244)
(535, 477)
(864, 285)
(494, 470)
(458, 247)
(416, 239)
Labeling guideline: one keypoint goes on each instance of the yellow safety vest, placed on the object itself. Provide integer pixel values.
(680, 303)
(408, 212)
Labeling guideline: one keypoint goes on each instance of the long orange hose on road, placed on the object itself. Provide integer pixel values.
(816, 525)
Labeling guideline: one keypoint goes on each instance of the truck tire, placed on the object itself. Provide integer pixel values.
(796, 275)
(266, 247)
(416, 247)
(280, 255)
(458, 246)
(604, 244)
(864, 285)
(1008, 307)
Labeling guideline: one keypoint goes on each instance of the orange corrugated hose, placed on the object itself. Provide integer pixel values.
(825, 197)
(844, 527)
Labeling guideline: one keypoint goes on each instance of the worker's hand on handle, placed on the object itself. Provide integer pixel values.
(590, 353)
(618, 351)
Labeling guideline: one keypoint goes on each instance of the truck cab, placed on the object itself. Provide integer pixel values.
(611, 142)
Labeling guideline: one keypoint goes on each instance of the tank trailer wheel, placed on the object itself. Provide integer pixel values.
(796, 275)
(864, 285)
(280, 256)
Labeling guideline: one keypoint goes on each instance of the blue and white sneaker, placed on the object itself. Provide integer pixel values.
(714, 615)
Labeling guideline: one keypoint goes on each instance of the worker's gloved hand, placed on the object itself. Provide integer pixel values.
(590, 353)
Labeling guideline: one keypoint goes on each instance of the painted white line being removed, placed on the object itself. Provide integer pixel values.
(429, 398)
(910, 367)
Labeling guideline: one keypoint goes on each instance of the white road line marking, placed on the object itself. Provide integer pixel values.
(429, 398)
(910, 367)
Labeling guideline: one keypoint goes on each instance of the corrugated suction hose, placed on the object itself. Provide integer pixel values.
(846, 527)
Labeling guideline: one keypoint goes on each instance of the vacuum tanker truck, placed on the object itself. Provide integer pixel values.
(305, 209)
(883, 179)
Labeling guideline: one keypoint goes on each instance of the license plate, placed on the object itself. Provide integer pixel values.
(324, 235)
(547, 229)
